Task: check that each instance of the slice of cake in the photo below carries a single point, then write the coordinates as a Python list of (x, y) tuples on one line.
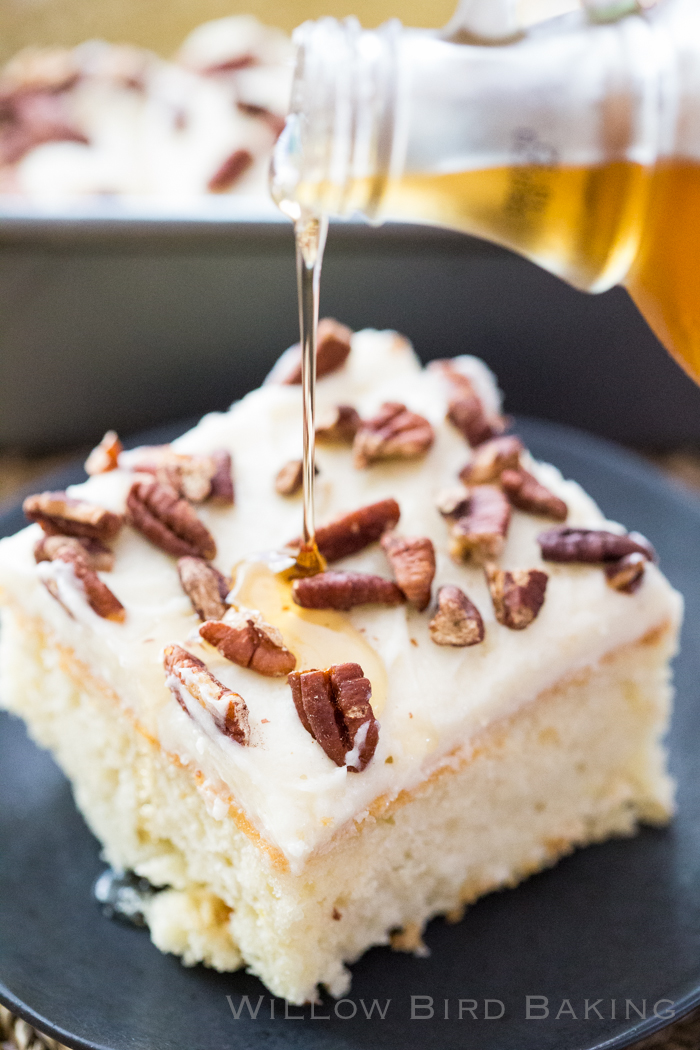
[(478, 683)]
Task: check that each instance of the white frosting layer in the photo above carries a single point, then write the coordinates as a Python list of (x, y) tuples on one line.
[(431, 700)]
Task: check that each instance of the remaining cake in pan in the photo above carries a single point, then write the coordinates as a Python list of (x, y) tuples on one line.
[(109, 120), (478, 684)]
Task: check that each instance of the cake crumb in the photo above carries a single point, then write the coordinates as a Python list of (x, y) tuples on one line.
[(409, 939), (388, 761), (337, 915), (414, 641)]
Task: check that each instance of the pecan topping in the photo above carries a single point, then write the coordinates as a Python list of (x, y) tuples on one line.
[(332, 350), (394, 433), (480, 532), (228, 65), (188, 679), (195, 477), (490, 459), (98, 556), (165, 519), (290, 478), (343, 590), (104, 456), (592, 545), (205, 586), (230, 171), (60, 514), (274, 122), (626, 575), (526, 493), (339, 425), (465, 409), (457, 621), (517, 596), (97, 594), (453, 502), (334, 707), (245, 639), (352, 532), (222, 479), (413, 562), (30, 116)]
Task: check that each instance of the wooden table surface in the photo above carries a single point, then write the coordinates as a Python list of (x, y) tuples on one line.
[(17, 472)]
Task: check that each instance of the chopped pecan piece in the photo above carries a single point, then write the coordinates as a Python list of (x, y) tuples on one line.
[(104, 456), (592, 546), (517, 595), (228, 65), (491, 458), (332, 350), (230, 171), (480, 533), (60, 514), (339, 425), (352, 532), (195, 477), (99, 557), (626, 575), (394, 433), (526, 493), (290, 478), (274, 122), (343, 590), (167, 520), (334, 707), (465, 409), (205, 586), (457, 621), (97, 594), (453, 502), (32, 116), (188, 679), (245, 639), (413, 562), (221, 490)]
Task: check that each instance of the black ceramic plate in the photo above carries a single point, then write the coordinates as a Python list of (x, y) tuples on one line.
[(615, 928)]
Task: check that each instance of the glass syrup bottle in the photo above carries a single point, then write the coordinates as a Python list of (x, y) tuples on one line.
[(576, 144)]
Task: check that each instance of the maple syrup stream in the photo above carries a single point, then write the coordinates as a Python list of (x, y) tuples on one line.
[(310, 236)]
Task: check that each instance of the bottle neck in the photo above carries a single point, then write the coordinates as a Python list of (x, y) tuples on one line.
[(340, 143), (376, 109)]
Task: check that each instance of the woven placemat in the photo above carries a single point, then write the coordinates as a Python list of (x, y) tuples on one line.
[(16, 1034)]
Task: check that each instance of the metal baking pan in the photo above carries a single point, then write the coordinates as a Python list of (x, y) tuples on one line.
[(126, 316)]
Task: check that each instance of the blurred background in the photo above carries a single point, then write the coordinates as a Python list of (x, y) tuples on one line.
[(163, 27), (136, 294)]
